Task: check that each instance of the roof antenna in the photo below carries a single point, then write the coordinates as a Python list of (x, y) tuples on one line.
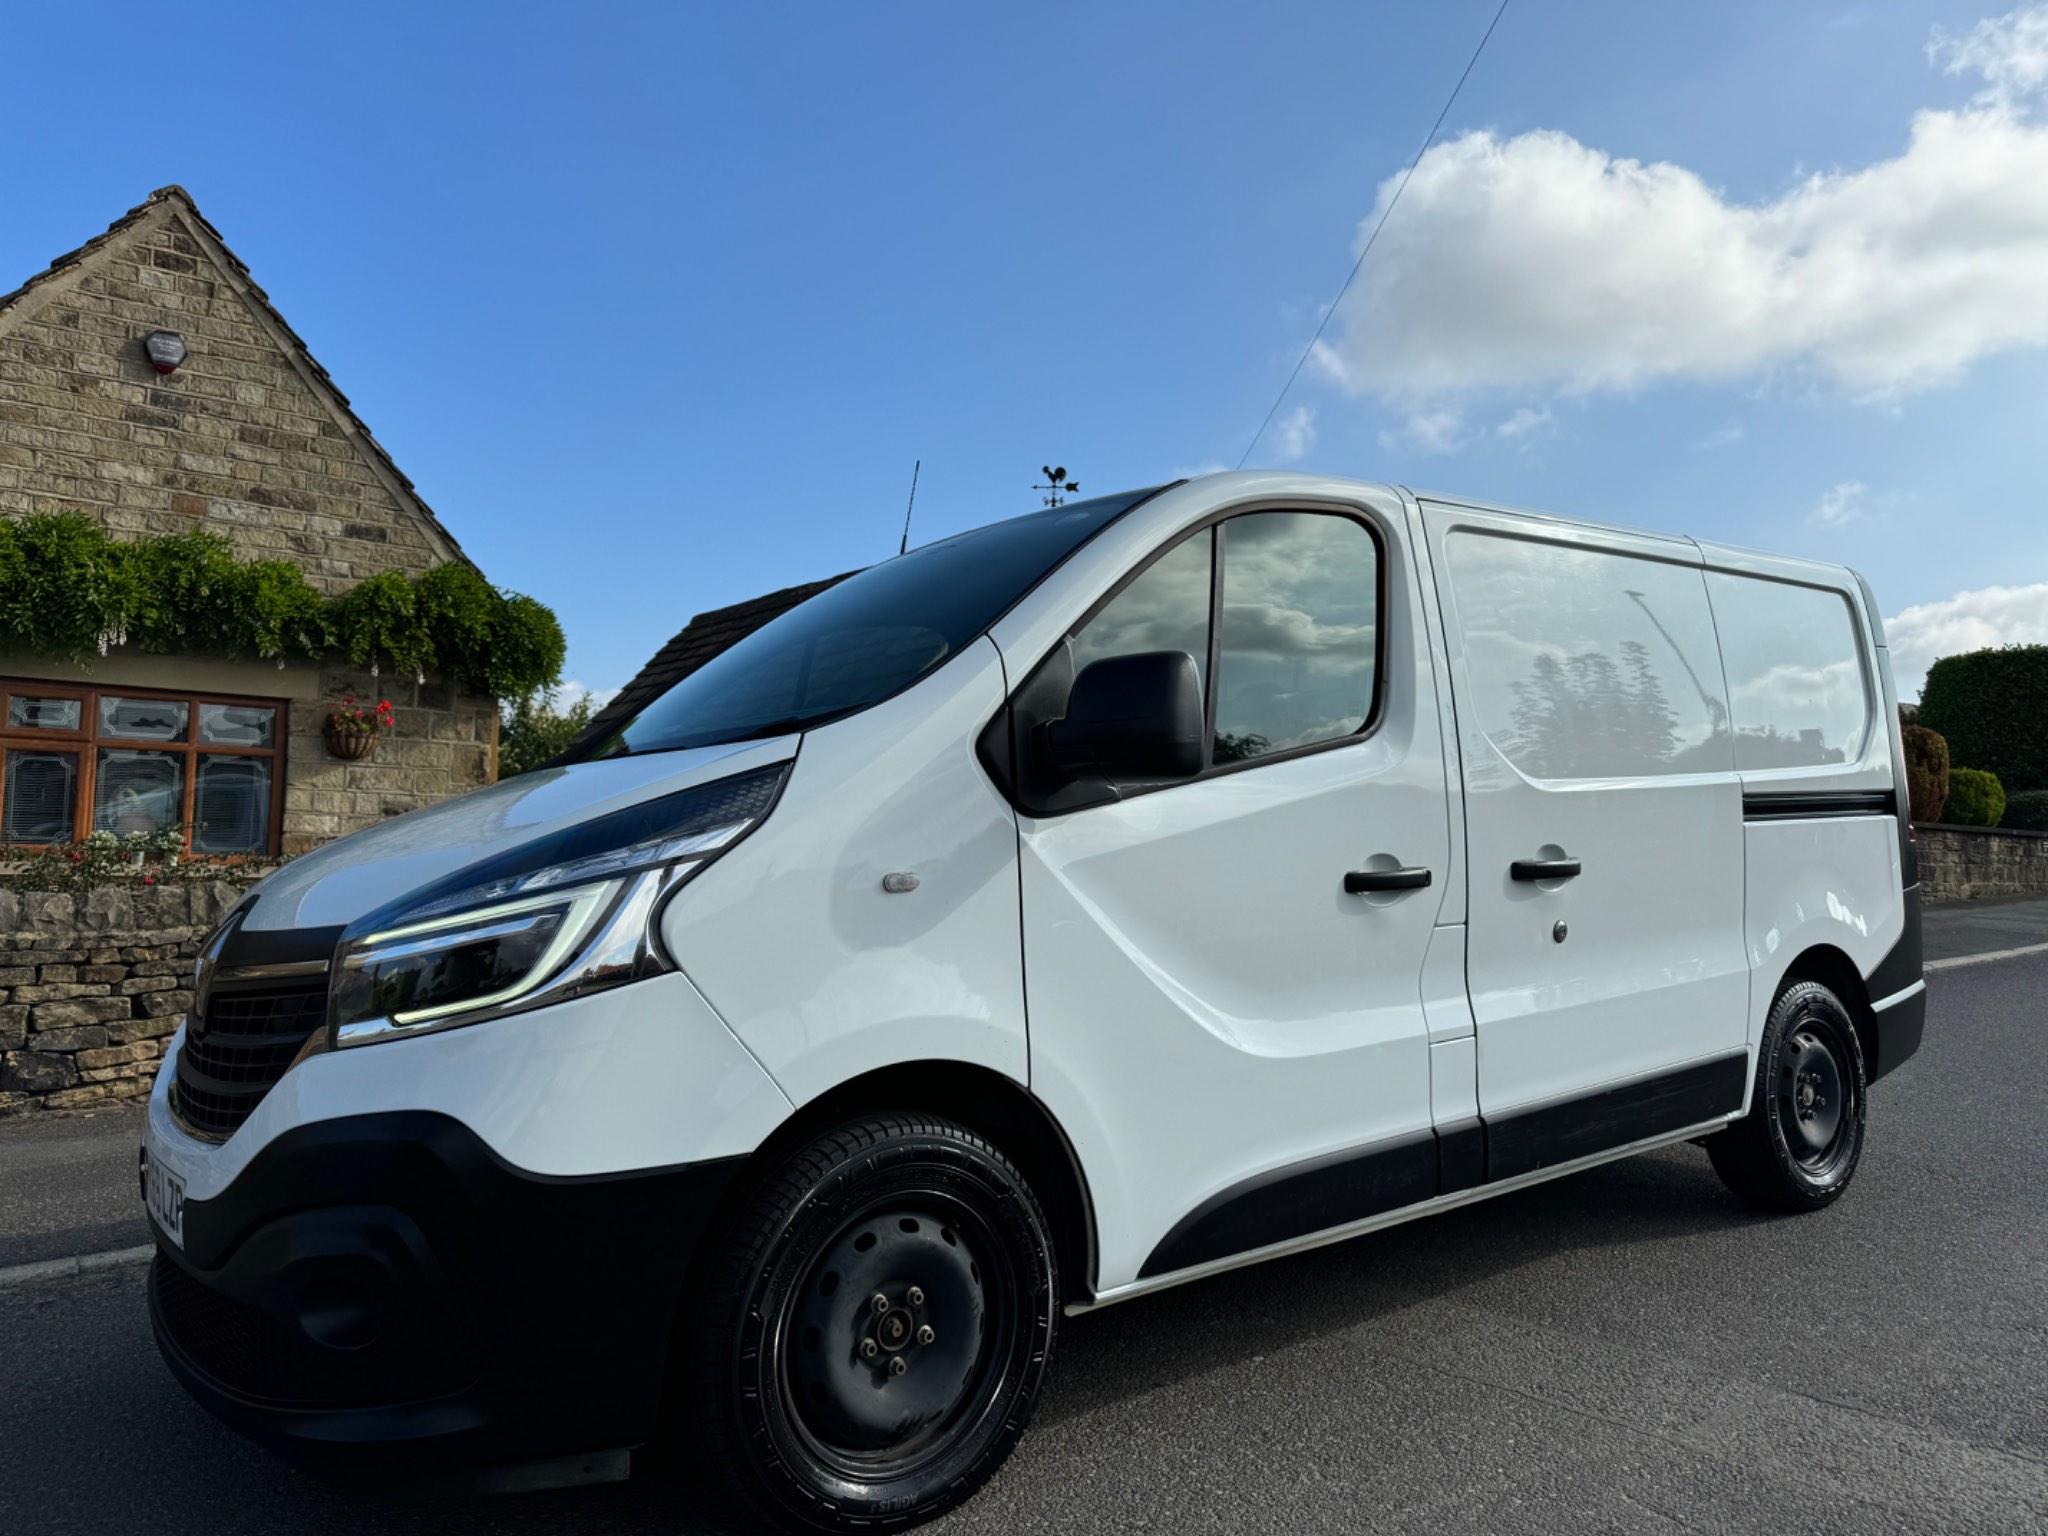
[(904, 546)]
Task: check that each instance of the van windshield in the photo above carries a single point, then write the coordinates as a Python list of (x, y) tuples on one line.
[(867, 638)]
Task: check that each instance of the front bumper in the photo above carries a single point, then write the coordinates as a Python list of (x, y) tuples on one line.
[(386, 1281)]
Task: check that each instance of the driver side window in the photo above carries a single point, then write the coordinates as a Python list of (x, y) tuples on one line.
[(1295, 658), (1165, 609)]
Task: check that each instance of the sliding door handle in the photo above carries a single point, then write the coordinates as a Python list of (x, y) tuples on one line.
[(1543, 869), (1363, 882)]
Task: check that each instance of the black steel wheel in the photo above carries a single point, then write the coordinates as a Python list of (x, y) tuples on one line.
[(1798, 1146), (876, 1329)]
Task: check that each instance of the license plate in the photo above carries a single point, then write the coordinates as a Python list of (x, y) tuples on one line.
[(164, 1193)]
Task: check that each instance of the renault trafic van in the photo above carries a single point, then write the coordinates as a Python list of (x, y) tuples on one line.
[(1070, 909)]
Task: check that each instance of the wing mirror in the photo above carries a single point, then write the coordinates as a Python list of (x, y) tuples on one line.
[(1131, 717)]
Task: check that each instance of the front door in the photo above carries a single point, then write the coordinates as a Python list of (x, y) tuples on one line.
[(1234, 1040), (1604, 834)]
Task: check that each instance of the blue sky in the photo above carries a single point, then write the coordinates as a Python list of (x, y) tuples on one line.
[(658, 304)]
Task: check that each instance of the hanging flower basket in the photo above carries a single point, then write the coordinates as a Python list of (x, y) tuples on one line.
[(353, 745), (352, 729)]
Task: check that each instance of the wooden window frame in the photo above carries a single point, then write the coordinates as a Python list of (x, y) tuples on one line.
[(87, 741)]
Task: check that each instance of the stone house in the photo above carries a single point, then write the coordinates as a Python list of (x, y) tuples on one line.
[(244, 436)]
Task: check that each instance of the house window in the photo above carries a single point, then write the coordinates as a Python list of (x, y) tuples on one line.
[(126, 760)]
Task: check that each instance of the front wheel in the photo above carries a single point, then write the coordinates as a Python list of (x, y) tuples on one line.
[(1798, 1146), (872, 1339)]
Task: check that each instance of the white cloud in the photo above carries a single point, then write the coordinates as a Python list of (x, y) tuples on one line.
[(1969, 621), (1841, 505), (1438, 429), (1295, 433), (1722, 437), (569, 693), (2009, 51), (1538, 261), (1526, 422)]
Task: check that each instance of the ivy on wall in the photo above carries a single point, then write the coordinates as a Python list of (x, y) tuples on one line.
[(68, 589)]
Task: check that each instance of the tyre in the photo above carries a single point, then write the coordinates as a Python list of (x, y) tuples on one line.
[(872, 1337), (1798, 1146)]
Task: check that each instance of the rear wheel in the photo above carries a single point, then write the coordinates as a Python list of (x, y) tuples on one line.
[(1799, 1145), (873, 1337)]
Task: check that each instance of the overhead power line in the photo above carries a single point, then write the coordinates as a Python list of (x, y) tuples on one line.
[(1366, 249)]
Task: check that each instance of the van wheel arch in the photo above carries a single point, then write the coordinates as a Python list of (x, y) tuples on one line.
[(1833, 969), (997, 1107)]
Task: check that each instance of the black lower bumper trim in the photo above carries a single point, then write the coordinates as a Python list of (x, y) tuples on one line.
[(1899, 1032), (386, 1282)]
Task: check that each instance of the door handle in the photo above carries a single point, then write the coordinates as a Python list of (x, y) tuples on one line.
[(1543, 869), (1363, 882)]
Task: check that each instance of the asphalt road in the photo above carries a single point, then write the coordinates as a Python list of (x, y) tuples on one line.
[(1626, 1350), (67, 1186)]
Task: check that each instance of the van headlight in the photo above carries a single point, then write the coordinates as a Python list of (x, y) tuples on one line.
[(567, 915)]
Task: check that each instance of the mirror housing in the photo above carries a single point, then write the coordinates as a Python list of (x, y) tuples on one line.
[(1131, 717)]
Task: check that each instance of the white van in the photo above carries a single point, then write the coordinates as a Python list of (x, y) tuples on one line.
[(1063, 911)]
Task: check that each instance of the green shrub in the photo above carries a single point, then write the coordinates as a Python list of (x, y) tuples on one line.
[(531, 732), (1975, 798), (2026, 810), (69, 589), (1992, 705), (1926, 772)]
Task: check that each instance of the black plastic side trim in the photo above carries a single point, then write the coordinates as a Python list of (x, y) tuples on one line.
[(1329, 1191), (1901, 965), (1548, 1134), (1806, 805), (1898, 1030), (1460, 1156), (1351, 1185)]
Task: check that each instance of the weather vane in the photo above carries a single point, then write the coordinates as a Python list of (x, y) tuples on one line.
[(1056, 484)]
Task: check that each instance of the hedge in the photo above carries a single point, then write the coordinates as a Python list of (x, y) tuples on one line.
[(1975, 798), (1926, 772), (69, 589), (1992, 705), (2026, 809)]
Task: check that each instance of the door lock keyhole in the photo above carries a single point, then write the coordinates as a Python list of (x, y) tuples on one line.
[(1558, 931)]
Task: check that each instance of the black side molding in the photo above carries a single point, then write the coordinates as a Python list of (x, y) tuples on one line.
[(1548, 1134), (1358, 1182), (1329, 1191), (1806, 805)]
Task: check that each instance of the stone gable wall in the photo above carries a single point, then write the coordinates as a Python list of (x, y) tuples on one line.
[(92, 986), (234, 442), (237, 443)]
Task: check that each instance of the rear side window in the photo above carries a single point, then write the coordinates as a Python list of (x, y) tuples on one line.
[(1589, 663), (1796, 685)]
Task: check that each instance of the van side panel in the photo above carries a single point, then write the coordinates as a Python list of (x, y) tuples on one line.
[(820, 971), (1832, 881), (1816, 738), (1237, 1048), (1593, 734)]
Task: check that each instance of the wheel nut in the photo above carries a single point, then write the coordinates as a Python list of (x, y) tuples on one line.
[(916, 1297), (880, 1304), (897, 1366), (925, 1334), (869, 1349)]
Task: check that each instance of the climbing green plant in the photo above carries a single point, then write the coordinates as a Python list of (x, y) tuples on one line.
[(68, 589)]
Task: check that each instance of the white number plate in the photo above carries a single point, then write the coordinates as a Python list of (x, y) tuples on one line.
[(164, 1193)]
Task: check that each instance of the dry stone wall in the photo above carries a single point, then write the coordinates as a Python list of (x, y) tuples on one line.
[(93, 986)]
